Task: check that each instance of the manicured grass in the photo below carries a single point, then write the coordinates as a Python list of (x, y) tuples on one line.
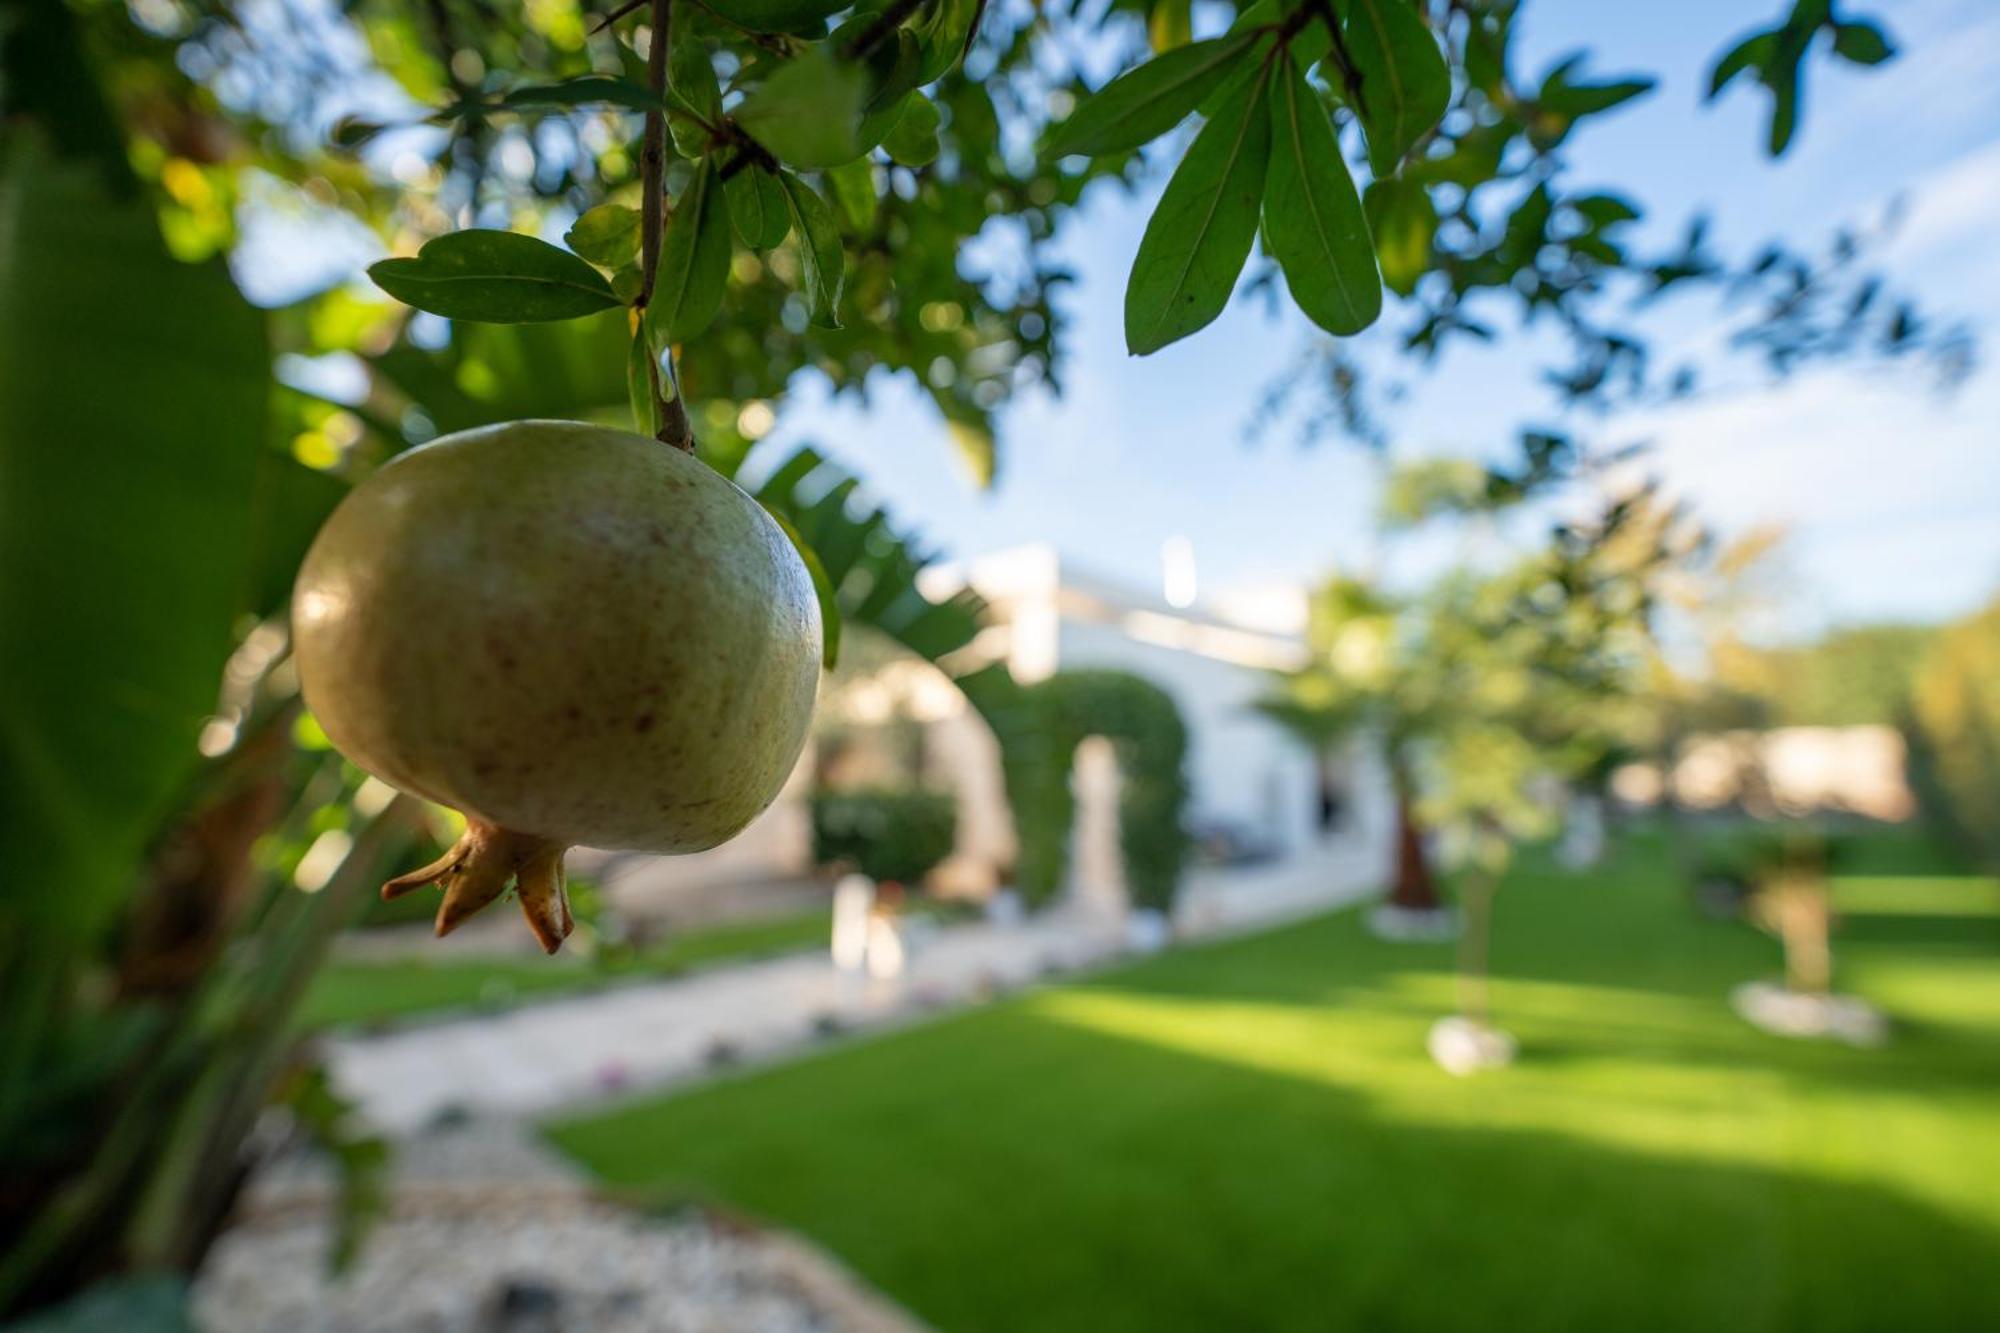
[(361, 993), (1250, 1136)]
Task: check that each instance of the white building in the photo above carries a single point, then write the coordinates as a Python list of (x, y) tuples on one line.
[(1257, 799)]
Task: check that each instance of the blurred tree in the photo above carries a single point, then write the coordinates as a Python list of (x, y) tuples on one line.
[(1954, 722)]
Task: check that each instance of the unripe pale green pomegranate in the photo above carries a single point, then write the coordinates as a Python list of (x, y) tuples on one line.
[(571, 634)]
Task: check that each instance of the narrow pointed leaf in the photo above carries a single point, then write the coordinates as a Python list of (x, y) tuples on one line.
[(943, 40), (1199, 236), (757, 207), (1142, 104), (1312, 214), (820, 254), (607, 234), (914, 139), (495, 277), (639, 385), (586, 91), (1751, 53), (808, 113), (692, 75), (1404, 82), (694, 262)]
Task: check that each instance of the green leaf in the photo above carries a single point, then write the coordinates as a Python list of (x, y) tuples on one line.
[(694, 261), (1753, 52), (944, 37), (607, 234), (585, 91), (1312, 215), (691, 75), (854, 190), (137, 390), (1142, 104), (829, 604), (1861, 42), (820, 254), (808, 114), (1486, 44), (1604, 210), (790, 16), (1170, 24), (639, 384), (1404, 82), (1199, 236), (914, 139), (1402, 219), (1573, 100), (495, 277), (757, 207), (1784, 84)]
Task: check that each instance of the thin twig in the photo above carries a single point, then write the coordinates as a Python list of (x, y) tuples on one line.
[(674, 426), (1350, 77), (610, 17)]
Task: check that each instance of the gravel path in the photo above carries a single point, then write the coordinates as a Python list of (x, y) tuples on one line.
[(547, 1055), (490, 1233)]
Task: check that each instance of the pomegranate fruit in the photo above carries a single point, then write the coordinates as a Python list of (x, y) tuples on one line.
[(568, 633)]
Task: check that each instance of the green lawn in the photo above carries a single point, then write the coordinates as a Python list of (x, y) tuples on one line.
[(357, 993), (1249, 1136)]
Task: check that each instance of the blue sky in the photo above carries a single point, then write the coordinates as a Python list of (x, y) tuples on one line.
[(1890, 493)]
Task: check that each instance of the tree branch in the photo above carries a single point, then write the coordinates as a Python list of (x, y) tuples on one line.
[(674, 426)]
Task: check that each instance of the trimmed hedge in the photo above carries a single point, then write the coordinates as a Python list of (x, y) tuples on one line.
[(1040, 727), (889, 835)]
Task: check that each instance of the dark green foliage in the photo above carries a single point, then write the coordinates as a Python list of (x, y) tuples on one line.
[(496, 277), (1401, 82), (1139, 106), (892, 836), (1955, 723), (1775, 58), (1199, 236), (694, 262), (1039, 727), (139, 487), (1312, 216)]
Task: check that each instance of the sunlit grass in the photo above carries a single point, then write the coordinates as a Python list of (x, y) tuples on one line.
[(1251, 1136)]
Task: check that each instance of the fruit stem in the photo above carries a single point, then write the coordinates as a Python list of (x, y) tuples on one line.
[(478, 869), (672, 412)]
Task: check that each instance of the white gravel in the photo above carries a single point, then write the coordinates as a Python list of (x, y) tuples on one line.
[(489, 1233)]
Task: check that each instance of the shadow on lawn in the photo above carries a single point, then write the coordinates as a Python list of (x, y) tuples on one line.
[(1005, 1171)]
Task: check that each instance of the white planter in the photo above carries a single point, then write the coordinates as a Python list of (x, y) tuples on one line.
[(1408, 925), (1462, 1047), (1789, 1013)]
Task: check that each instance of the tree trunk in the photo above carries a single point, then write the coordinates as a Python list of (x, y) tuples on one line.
[(1416, 887)]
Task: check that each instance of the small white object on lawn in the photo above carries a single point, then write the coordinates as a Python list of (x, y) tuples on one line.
[(1789, 1013), (1461, 1046)]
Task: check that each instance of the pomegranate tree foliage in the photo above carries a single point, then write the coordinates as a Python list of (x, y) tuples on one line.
[(876, 187)]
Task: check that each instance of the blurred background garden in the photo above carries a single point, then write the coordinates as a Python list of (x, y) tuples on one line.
[(1489, 820)]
